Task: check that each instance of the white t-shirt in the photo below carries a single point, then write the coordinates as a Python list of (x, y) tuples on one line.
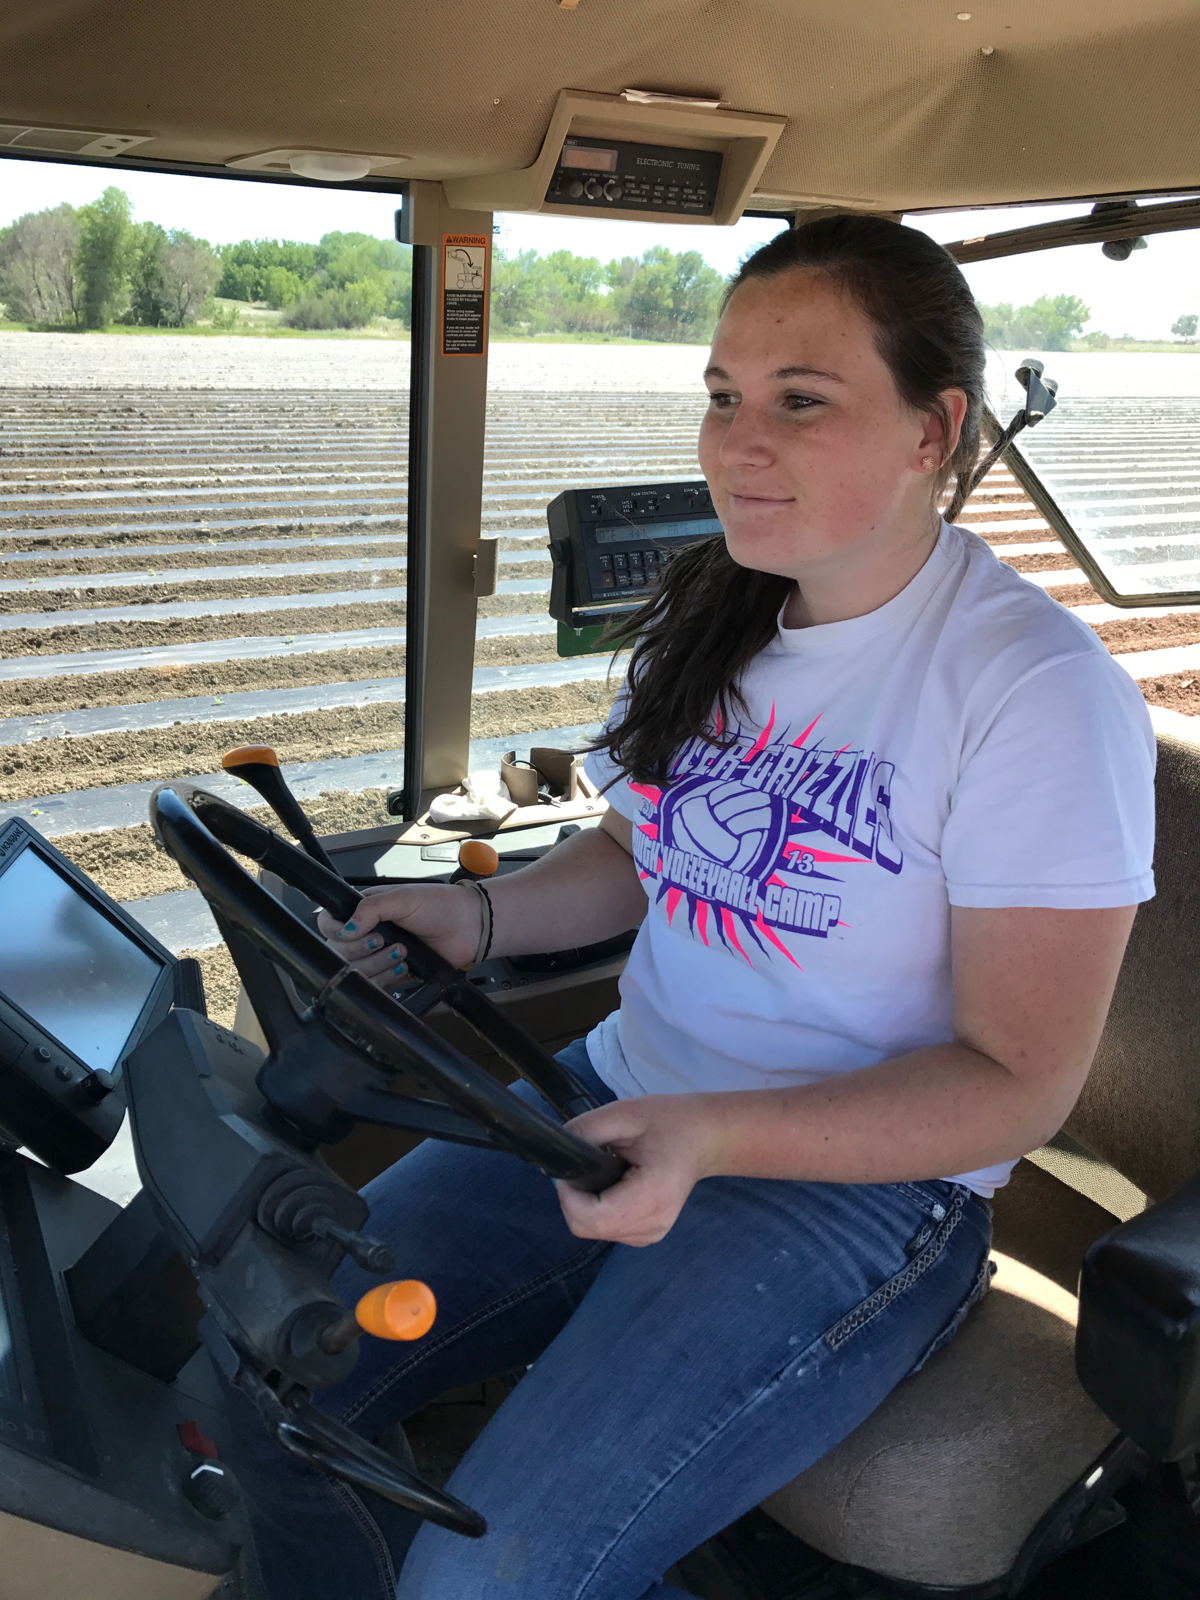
[(969, 743)]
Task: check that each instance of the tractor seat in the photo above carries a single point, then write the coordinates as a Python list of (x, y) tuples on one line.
[(975, 1469)]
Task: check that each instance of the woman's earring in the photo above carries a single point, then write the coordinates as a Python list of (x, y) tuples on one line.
[(926, 462)]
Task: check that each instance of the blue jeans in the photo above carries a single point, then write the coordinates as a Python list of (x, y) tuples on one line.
[(672, 1388)]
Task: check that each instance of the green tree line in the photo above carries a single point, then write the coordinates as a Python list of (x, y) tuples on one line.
[(92, 266)]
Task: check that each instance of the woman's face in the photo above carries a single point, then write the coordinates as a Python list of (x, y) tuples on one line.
[(813, 460)]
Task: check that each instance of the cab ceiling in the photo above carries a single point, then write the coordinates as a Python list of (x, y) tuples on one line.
[(891, 104)]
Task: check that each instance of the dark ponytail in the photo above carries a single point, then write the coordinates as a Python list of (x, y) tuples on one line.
[(710, 617)]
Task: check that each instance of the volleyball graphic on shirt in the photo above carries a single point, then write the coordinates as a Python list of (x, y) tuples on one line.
[(738, 827)]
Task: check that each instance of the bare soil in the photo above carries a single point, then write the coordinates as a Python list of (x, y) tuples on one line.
[(1052, 561), (191, 533), (104, 560), (1076, 594), (1178, 692), (221, 983), (129, 864), (1150, 633), (361, 575), (35, 697), (135, 634), (53, 766)]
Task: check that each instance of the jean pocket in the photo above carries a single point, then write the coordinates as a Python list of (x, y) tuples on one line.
[(938, 1219), (934, 1199), (980, 1286)]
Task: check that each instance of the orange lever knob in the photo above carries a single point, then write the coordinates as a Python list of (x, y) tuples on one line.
[(404, 1310), (478, 858), (246, 753)]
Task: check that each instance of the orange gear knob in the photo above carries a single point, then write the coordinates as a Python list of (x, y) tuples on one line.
[(246, 753), (477, 858), (404, 1310)]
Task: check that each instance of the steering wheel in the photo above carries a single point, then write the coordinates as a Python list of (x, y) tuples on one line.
[(387, 1036)]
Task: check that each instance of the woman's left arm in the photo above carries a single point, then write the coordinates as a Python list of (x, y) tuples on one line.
[(1031, 991)]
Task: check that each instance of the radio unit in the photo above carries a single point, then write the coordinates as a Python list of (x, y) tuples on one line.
[(609, 546), (608, 173)]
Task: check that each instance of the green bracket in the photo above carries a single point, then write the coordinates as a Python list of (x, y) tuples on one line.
[(582, 641)]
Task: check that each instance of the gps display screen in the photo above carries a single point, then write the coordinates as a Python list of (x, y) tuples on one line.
[(71, 969)]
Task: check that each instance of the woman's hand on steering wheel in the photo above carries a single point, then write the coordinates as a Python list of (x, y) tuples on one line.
[(449, 917)]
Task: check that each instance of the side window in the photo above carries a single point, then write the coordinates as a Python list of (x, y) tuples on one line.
[(203, 455), (1120, 332)]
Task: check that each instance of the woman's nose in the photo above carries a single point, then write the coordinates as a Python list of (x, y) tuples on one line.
[(747, 438)]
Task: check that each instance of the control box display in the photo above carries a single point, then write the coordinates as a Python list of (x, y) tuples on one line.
[(614, 174), (80, 981), (609, 546)]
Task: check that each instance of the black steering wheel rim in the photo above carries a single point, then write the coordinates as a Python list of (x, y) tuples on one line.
[(197, 829)]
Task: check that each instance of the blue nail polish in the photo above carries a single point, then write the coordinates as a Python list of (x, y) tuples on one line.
[(373, 944), (396, 952), (350, 928), (400, 969)]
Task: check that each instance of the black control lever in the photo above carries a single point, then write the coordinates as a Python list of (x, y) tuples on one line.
[(332, 1447), (258, 765)]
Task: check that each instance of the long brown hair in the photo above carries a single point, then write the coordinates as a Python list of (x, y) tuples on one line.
[(709, 617)]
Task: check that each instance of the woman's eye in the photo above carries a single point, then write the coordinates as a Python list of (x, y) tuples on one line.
[(800, 402), (721, 399)]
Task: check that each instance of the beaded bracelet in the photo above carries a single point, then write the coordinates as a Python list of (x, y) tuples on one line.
[(484, 946)]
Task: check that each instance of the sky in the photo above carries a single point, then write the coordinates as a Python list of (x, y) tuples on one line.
[(1141, 296)]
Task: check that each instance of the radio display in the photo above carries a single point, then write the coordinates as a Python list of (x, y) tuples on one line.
[(657, 530), (577, 155)]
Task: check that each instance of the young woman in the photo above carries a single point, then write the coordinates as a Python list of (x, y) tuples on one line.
[(883, 811)]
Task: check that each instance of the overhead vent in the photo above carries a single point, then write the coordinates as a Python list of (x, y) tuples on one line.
[(69, 141)]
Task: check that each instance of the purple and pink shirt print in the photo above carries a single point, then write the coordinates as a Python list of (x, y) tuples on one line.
[(749, 844)]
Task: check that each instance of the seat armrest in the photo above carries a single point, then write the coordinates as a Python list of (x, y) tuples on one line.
[(1137, 1345)]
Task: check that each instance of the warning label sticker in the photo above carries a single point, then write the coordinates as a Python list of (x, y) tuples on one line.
[(464, 293)]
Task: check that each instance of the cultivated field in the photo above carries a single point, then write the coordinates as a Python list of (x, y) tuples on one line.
[(203, 545)]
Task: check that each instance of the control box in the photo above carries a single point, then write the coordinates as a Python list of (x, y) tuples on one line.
[(609, 546)]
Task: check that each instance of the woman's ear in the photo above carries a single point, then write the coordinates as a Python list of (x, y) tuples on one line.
[(940, 433)]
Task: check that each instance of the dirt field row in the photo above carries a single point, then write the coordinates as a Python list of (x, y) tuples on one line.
[(53, 766), (139, 633), (363, 574), (36, 697)]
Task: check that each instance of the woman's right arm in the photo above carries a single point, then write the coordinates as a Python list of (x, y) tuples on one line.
[(583, 890)]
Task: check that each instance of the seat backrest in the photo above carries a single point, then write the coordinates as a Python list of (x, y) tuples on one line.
[(1140, 1108)]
